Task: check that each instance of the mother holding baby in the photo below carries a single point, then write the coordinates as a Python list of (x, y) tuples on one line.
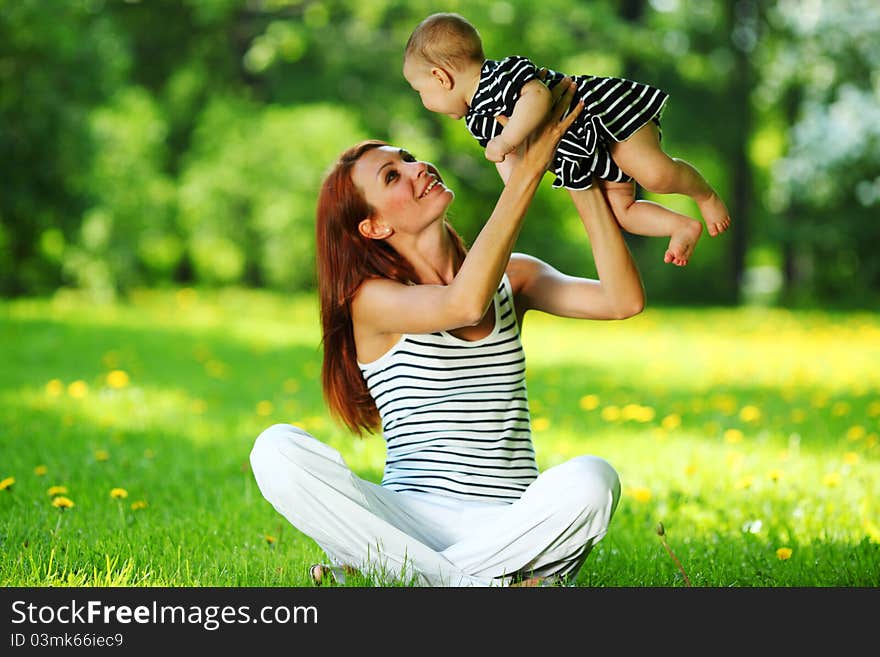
[(421, 338)]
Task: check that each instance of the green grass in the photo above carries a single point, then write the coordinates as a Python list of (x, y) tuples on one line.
[(742, 431)]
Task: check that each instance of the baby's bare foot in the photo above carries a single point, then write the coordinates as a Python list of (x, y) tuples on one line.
[(715, 214), (682, 243)]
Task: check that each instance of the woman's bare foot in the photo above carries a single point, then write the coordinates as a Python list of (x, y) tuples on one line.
[(530, 582), (319, 571), (714, 213), (682, 243)]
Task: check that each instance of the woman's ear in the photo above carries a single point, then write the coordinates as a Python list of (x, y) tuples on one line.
[(374, 230), (444, 77)]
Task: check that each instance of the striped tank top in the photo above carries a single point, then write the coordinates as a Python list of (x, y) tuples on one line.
[(455, 413)]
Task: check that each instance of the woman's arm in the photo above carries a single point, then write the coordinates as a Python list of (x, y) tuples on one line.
[(385, 306), (617, 294)]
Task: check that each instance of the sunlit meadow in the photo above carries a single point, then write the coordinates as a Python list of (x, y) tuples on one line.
[(750, 434)]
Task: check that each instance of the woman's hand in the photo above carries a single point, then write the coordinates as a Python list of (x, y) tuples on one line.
[(537, 151)]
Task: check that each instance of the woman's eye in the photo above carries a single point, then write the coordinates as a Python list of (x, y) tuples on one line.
[(390, 176)]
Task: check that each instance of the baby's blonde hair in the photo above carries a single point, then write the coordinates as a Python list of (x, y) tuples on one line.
[(445, 39)]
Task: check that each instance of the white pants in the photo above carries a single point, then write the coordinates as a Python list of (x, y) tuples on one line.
[(435, 540)]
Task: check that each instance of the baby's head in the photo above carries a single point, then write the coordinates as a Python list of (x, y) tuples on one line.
[(442, 56)]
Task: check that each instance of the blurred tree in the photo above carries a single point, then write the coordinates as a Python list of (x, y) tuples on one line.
[(825, 80), (57, 61), (247, 195), (127, 236), (184, 140)]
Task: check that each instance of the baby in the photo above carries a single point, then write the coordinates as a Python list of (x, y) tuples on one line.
[(616, 138)]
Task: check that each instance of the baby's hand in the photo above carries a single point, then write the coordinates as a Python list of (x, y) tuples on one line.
[(497, 149)]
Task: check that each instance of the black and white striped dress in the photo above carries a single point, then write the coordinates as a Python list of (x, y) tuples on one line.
[(614, 108), (455, 413)]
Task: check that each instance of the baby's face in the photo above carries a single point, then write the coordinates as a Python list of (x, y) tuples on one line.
[(434, 88)]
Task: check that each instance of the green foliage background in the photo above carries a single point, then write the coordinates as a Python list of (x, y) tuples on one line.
[(182, 141)]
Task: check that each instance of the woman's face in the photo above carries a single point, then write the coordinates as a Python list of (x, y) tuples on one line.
[(405, 194)]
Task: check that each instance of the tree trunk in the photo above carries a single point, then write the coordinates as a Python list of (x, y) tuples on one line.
[(790, 271), (741, 15)]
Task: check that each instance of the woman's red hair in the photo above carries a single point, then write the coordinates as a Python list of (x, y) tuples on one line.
[(345, 259)]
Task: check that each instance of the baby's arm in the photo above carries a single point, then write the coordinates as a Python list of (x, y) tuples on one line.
[(531, 108)]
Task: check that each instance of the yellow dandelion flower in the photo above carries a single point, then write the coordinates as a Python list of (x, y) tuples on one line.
[(840, 409), (637, 412), (775, 474), (118, 493), (54, 387), (856, 432), (40, 470), (138, 505), (832, 479), (62, 502), (871, 440), (269, 539), (874, 408), (671, 422), (540, 424), (645, 414), (851, 458), (724, 403), (57, 490), (783, 553), (216, 369), (265, 407), (611, 413), (872, 529), (750, 414), (640, 493), (7, 483), (745, 482), (589, 402), (78, 389), (102, 455), (118, 379), (819, 400), (291, 386), (690, 469), (798, 415), (733, 436)]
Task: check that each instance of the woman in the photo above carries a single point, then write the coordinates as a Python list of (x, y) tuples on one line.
[(423, 337)]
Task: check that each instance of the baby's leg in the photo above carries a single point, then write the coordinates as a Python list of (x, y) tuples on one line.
[(652, 220), (641, 157)]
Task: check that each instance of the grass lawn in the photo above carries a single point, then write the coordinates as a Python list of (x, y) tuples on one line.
[(751, 434)]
